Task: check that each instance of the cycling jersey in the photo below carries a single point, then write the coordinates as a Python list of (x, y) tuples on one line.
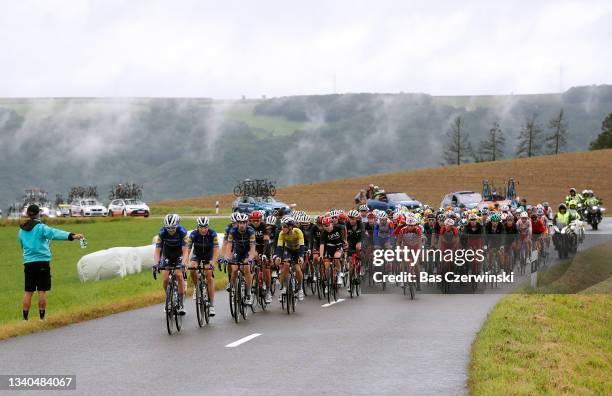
[(448, 238), (382, 234), (291, 241), (260, 231), (241, 243), (332, 240), (409, 237), (510, 234), (315, 238), (538, 227), (524, 228), (172, 244), (474, 236), (368, 233), (354, 235), (203, 245), (494, 236)]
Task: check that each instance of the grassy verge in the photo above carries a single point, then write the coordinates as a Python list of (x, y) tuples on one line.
[(160, 210), (70, 300), (539, 343)]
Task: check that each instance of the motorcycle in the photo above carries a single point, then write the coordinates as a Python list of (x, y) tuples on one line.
[(593, 214), (565, 238)]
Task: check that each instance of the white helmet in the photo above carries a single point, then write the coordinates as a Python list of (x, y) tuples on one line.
[(233, 217), (412, 220), (382, 214), (202, 221), (172, 220), (271, 220), (449, 222), (306, 218), (241, 217), (353, 213), (288, 220), (524, 215)]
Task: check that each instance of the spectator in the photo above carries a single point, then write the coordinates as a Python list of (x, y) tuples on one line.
[(360, 198), (34, 238), (370, 192)]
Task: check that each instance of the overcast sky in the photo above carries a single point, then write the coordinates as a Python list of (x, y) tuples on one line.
[(226, 49)]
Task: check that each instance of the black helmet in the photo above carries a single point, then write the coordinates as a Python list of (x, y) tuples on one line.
[(572, 190), (562, 206)]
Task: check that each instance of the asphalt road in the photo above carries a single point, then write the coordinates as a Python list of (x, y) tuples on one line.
[(375, 344)]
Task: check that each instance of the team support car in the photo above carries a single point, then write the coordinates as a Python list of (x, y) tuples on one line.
[(393, 201), (87, 207), (249, 204), (470, 199), (128, 207)]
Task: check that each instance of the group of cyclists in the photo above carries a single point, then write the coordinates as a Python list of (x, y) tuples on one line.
[(345, 240)]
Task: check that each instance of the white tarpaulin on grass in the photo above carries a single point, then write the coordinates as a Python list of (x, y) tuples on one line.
[(117, 261)]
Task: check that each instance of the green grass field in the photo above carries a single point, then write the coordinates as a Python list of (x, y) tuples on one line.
[(262, 125), (68, 295), (538, 343)]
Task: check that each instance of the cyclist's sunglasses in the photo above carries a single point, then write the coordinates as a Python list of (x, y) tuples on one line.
[(203, 227), (171, 228)]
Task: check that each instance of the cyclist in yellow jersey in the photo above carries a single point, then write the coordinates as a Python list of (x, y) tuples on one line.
[(290, 248)]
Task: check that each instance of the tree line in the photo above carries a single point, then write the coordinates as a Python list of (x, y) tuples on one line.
[(532, 140)]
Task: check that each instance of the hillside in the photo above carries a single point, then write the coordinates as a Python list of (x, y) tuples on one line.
[(545, 178), (170, 145)]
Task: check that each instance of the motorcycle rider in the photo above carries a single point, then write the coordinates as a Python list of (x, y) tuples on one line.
[(572, 209), (563, 215), (573, 196)]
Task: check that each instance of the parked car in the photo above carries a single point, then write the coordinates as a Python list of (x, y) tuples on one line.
[(63, 210), (249, 204), (393, 201), (128, 207), (470, 199), (87, 207)]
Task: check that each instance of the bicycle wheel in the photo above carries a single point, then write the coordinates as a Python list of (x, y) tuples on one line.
[(205, 302), (330, 282), (243, 306), (199, 303), (318, 282), (350, 281), (178, 319), (254, 289), (236, 302), (411, 288), (289, 295), (293, 297), (231, 300), (169, 316), (311, 281)]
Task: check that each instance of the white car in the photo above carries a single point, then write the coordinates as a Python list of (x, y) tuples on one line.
[(128, 207), (87, 207)]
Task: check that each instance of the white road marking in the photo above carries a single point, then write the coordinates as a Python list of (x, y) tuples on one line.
[(242, 340), (332, 303)]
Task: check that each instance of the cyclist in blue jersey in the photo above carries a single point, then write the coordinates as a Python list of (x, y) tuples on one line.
[(204, 248), (171, 249), (241, 244)]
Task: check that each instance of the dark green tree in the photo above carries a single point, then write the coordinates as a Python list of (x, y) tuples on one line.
[(530, 140), (604, 139), (458, 148), (558, 137), (492, 148)]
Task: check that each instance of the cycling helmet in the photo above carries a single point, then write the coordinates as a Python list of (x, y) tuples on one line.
[(449, 222), (371, 215), (363, 208), (473, 217), (233, 217), (325, 221), (485, 211), (524, 215), (242, 217), (342, 217), (431, 216), (172, 220), (539, 206), (505, 208), (256, 215), (572, 203), (202, 221), (546, 204), (540, 212), (353, 213), (382, 215), (441, 217), (290, 221), (585, 192), (494, 217), (572, 190), (400, 218), (463, 222), (306, 218), (412, 220), (562, 206), (271, 220), (503, 217)]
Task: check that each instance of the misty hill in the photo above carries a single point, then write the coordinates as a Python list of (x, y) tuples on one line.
[(187, 147)]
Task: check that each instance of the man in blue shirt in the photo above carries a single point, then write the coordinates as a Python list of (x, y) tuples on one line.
[(34, 238)]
